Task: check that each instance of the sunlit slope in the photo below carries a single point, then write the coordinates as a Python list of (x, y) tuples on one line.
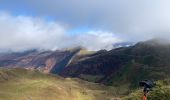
[(21, 84)]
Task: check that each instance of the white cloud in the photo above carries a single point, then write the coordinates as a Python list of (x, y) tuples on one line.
[(23, 32), (96, 40), (137, 19), (134, 19)]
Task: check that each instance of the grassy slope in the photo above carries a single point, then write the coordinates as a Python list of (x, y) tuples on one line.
[(20, 84)]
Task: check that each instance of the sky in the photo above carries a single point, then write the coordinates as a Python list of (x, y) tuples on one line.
[(93, 24)]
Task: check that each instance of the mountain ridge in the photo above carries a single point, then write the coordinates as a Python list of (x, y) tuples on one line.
[(104, 68)]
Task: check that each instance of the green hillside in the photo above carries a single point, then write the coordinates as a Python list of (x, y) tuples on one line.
[(21, 84), (124, 67)]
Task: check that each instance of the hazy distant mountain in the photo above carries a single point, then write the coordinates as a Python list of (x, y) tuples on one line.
[(123, 44)]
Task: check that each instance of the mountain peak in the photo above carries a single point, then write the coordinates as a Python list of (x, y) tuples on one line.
[(157, 41)]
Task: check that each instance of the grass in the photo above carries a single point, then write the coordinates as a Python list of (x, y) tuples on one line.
[(85, 52), (91, 78), (160, 92), (21, 84)]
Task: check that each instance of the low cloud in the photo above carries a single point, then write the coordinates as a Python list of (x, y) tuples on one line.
[(19, 33), (135, 20), (96, 40)]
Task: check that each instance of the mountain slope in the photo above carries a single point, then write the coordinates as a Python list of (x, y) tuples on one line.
[(21, 84), (59, 67), (46, 61), (145, 60)]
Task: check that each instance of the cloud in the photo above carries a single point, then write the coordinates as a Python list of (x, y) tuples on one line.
[(134, 19), (96, 40), (19, 33)]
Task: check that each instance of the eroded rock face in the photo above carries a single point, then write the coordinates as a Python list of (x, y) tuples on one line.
[(45, 61)]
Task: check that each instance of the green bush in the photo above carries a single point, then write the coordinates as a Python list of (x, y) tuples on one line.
[(160, 92)]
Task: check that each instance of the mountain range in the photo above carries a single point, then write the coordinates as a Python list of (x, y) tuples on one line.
[(122, 67)]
